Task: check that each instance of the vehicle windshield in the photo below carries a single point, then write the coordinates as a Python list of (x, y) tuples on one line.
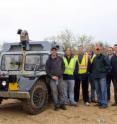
[(12, 62), (35, 62)]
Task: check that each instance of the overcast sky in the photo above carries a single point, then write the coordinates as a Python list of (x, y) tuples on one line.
[(45, 18)]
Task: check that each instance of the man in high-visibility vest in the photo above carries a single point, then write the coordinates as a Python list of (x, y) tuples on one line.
[(92, 55), (68, 77), (82, 76)]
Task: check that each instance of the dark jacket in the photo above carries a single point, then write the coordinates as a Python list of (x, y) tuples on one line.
[(110, 72), (55, 67), (100, 66), (114, 65)]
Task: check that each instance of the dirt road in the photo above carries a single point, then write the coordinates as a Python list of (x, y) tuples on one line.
[(11, 113)]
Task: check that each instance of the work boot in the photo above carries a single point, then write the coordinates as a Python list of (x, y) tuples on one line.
[(63, 107), (114, 104), (56, 107), (103, 106)]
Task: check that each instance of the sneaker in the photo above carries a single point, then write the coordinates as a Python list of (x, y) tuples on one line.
[(98, 104), (73, 103), (63, 107), (67, 102), (114, 104), (87, 103)]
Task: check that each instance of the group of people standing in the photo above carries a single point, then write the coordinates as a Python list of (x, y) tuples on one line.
[(84, 67)]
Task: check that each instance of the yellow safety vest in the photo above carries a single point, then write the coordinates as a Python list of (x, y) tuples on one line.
[(83, 65), (76, 57), (69, 68), (94, 55)]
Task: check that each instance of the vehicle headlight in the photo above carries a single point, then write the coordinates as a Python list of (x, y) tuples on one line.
[(4, 83)]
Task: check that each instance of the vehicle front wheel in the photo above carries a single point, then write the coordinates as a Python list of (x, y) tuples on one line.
[(38, 99)]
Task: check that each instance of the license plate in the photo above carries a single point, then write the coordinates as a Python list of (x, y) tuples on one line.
[(13, 86)]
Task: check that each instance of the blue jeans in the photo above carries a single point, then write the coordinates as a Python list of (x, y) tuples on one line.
[(69, 90), (101, 89), (57, 90), (93, 94)]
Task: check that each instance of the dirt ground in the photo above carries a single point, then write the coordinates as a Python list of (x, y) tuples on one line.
[(11, 113)]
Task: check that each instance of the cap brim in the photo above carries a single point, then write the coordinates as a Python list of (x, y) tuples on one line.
[(54, 48)]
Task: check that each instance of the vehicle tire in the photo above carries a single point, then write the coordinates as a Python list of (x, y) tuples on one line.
[(38, 99)]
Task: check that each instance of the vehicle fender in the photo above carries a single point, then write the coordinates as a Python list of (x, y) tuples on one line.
[(26, 83)]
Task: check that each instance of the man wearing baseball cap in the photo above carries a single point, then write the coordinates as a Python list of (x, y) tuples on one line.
[(55, 68), (100, 67)]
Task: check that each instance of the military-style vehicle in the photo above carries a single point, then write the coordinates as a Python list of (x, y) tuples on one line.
[(23, 75)]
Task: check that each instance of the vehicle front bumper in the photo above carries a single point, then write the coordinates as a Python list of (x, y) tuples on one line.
[(14, 94)]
